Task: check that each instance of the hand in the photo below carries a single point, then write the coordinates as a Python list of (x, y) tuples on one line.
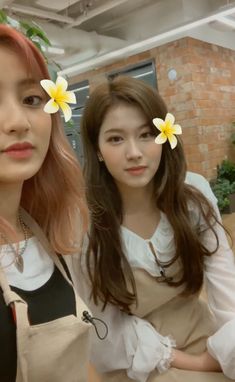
[(201, 362), (92, 374)]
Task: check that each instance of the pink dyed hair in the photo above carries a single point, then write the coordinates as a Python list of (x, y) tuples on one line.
[(55, 196)]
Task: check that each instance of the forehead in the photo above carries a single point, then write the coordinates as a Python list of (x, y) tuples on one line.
[(14, 67), (123, 116)]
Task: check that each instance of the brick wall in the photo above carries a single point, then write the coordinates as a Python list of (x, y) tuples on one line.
[(202, 97)]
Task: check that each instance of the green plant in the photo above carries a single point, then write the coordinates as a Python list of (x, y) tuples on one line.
[(226, 170), (30, 29), (233, 134), (221, 189), (224, 184), (35, 33)]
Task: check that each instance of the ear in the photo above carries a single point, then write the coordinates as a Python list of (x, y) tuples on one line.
[(100, 157)]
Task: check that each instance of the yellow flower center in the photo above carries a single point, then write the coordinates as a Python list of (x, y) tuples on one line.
[(58, 94), (167, 128)]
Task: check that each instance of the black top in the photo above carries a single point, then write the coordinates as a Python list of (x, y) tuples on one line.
[(55, 299)]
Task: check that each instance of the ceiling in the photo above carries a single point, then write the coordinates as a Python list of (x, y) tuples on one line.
[(87, 34)]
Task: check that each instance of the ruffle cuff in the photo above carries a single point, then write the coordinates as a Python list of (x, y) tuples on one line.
[(151, 351)]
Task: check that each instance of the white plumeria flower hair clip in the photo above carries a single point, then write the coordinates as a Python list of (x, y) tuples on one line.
[(168, 130), (60, 97)]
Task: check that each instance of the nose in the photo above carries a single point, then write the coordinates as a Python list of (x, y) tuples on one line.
[(15, 118), (133, 150)]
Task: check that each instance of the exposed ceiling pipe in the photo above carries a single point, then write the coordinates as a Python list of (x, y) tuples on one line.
[(39, 13), (78, 45), (96, 11), (143, 45), (58, 5)]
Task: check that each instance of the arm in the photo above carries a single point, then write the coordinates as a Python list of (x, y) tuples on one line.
[(220, 286), (132, 344), (202, 362)]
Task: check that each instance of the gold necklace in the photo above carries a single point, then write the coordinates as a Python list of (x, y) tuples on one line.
[(19, 261)]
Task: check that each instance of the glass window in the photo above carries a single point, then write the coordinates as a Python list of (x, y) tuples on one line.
[(72, 128), (144, 71)]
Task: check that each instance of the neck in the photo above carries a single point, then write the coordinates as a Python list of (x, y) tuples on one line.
[(138, 201), (10, 196)]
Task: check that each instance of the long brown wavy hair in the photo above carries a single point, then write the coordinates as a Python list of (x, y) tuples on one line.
[(108, 268)]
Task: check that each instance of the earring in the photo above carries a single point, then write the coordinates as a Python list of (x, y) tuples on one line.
[(100, 157)]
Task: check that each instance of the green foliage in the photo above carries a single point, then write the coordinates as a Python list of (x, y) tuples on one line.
[(233, 134), (226, 171), (224, 184), (233, 138), (34, 32), (221, 189), (30, 29), (3, 17)]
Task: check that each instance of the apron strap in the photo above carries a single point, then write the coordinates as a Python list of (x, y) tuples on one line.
[(8, 295), (22, 324), (20, 316)]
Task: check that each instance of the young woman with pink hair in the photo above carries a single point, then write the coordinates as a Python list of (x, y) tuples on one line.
[(43, 335)]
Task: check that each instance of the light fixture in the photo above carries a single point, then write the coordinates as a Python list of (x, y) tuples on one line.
[(172, 74)]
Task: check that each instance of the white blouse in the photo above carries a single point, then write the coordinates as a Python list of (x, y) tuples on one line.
[(38, 266), (132, 343)]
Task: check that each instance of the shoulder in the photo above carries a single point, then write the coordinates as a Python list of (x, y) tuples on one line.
[(198, 181)]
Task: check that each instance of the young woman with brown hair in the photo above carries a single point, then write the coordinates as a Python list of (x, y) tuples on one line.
[(155, 235)]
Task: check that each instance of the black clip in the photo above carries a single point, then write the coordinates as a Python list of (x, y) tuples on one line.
[(163, 276), (86, 317)]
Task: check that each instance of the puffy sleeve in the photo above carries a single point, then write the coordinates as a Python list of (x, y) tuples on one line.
[(132, 344), (220, 286)]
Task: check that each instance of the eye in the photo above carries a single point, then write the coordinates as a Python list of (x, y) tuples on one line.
[(32, 100), (115, 139), (147, 134)]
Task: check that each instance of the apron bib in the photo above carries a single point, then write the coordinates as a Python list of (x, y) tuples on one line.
[(57, 351), (187, 319)]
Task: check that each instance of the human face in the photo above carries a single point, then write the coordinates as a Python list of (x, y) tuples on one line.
[(25, 129), (126, 144)]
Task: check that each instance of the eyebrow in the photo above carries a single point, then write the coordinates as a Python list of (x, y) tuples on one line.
[(120, 130), (27, 82)]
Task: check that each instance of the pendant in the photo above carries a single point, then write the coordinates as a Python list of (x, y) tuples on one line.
[(19, 263)]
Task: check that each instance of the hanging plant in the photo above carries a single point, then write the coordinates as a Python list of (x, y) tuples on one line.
[(30, 29)]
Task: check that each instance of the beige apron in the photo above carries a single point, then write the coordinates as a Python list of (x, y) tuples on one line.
[(187, 319), (55, 351)]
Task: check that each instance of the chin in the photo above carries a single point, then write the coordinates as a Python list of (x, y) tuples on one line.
[(137, 184), (19, 177)]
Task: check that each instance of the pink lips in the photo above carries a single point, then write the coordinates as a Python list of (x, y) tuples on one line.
[(19, 150), (138, 170)]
